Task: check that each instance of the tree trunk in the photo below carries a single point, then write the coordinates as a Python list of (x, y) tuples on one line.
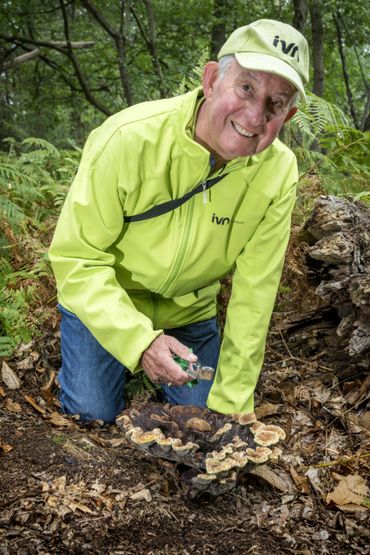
[(317, 40), (151, 42), (344, 69), (119, 38), (300, 15), (221, 10)]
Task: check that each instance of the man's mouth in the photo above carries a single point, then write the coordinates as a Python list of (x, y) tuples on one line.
[(242, 131)]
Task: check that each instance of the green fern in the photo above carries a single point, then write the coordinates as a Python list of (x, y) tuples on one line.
[(327, 146), (34, 179), (41, 144), (194, 78), (6, 346)]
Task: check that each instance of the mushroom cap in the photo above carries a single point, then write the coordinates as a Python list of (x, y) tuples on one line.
[(198, 425), (266, 437), (259, 455)]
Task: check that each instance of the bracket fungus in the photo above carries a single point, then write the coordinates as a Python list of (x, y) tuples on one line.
[(214, 449)]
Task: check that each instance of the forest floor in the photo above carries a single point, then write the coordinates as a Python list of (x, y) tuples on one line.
[(67, 488)]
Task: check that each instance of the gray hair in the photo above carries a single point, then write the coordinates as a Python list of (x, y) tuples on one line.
[(224, 65)]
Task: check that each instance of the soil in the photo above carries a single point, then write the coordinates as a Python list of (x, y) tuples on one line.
[(69, 489)]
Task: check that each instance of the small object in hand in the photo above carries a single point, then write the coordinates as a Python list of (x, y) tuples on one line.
[(196, 370)]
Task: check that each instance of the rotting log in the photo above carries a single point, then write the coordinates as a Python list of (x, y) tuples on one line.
[(338, 265)]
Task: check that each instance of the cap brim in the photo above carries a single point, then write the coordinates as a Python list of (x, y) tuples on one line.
[(271, 64)]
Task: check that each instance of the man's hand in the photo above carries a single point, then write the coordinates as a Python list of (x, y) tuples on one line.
[(157, 361)]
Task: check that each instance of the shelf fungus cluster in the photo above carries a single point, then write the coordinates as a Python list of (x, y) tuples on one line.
[(214, 449)]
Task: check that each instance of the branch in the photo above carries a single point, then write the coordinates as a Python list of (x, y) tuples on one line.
[(20, 59), (61, 46), (81, 78), (89, 6), (355, 49), (120, 42)]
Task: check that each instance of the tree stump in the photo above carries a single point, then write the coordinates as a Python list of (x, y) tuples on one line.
[(338, 264)]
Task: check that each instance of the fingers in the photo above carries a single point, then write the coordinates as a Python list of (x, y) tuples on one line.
[(180, 349), (157, 361)]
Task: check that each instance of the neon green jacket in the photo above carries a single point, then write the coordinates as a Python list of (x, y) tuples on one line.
[(129, 282)]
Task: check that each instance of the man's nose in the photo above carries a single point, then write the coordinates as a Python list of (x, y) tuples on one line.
[(258, 114)]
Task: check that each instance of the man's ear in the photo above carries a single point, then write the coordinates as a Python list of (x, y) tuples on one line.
[(210, 74), (291, 113)]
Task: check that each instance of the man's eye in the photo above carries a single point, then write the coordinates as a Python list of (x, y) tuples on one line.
[(277, 106), (246, 88)]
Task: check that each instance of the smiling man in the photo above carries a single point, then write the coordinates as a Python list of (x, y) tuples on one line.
[(170, 196)]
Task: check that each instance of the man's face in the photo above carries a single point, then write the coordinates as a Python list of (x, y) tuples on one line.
[(244, 110)]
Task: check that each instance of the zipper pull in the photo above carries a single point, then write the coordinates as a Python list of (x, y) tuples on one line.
[(204, 185)]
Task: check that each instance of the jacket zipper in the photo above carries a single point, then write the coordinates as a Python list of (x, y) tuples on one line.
[(183, 247), (180, 258)]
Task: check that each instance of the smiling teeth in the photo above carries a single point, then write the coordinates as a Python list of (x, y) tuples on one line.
[(242, 131)]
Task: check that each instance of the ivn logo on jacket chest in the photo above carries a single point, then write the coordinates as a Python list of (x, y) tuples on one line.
[(220, 220)]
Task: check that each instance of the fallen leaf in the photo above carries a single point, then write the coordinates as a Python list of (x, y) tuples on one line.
[(142, 495), (60, 421), (12, 406), (33, 403), (364, 420), (2, 392), (282, 483), (351, 489), (81, 507), (9, 377), (267, 409), (6, 447), (320, 535), (300, 481), (26, 364), (313, 475), (50, 381)]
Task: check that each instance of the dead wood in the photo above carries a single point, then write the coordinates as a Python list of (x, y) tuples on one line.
[(338, 264)]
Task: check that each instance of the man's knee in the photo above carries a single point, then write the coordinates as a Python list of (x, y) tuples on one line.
[(90, 407)]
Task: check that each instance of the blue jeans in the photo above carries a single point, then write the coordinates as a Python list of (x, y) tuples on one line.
[(92, 381)]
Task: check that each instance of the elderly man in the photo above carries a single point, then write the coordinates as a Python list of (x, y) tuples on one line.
[(169, 197)]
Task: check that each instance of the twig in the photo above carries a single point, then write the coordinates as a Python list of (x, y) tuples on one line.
[(286, 346), (341, 460)]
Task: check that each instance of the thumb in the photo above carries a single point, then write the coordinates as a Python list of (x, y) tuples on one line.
[(182, 350)]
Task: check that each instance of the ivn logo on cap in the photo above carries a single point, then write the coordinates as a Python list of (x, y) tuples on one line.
[(286, 49)]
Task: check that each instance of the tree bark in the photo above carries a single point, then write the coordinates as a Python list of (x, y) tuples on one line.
[(344, 69), (337, 237), (221, 10), (317, 40), (300, 14)]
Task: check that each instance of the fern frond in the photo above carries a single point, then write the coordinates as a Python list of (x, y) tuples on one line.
[(42, 145), (6, 346)]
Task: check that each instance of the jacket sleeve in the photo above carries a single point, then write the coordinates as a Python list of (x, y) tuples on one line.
[(90, 222), (255, 283)]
